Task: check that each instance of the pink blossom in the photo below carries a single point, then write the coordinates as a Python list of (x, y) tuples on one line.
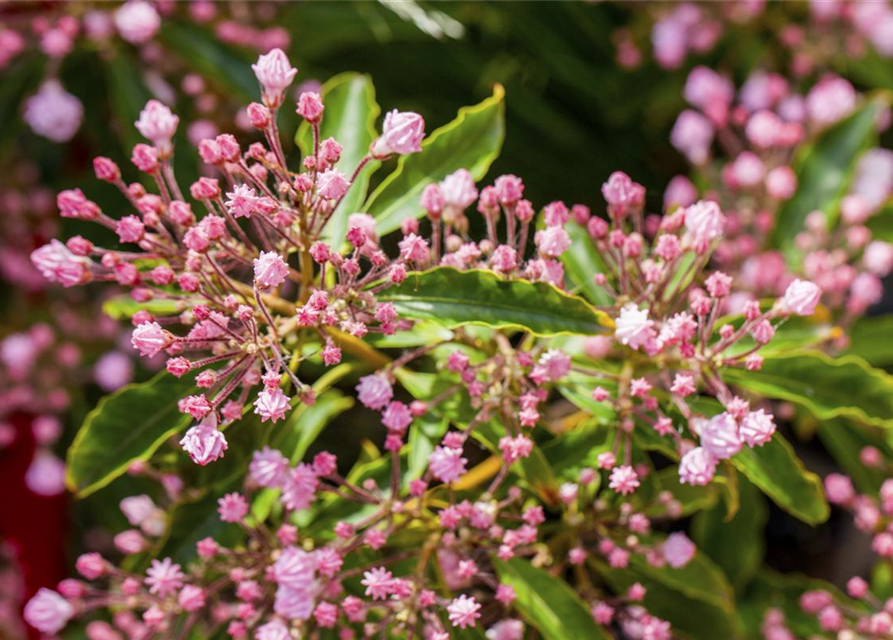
[(53, 112), (150, 338), (137, 21), (274, 73), (447, 464), (704, 221), (402, 133), (506, 630), (781, 183), (378, 582), (692, 135), (374, 391), (332, 184), (300, 487), (624, 480), (310, 107), (270, 270), (830, 100), (458, 189), (839, 488), (878, 258), (464, 611), (268, 468), (232, 507), (801, 297), (757, 428), (204, 443), (697, 467), (719, 436), (271, 405), (48, 612), (158, 125), (164, 577), (678, 550), (633, 328), (58, 264), (552, 241)]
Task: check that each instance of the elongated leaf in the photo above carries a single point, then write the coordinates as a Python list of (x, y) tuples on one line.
[(472, 141), (824, 173), (715, 535), (127, 426), (200, 50), (455, 298), (581, 262), (778, 472), (870, 340), (696, 599), (305, 424), (844, 440), (828, 387), (194, 521), (129, 96), (548, 603), (123, 307), (350, 115)]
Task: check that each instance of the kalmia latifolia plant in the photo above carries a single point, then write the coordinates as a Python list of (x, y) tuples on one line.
[(557, 388)]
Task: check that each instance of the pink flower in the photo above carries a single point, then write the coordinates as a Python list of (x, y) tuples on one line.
[(53, 112), (402, 133), (624, 480), (137, 21), (697, 467), (332, 184), (464, 611), (378, 582), (447, 464), (232, 507), (274, 73), (878, 258), (268, 468), (621, 193), (294, 603), (414, 249), (374, 391), (506, 630), (310, 107), (839, 488), (831, 99), (458, 189), (164, 577), (300, 488), (130, 229), (158, 125), (633, 328), (271, 405), (704, 221), (692, 135), (781, 183), (396, 417), (48, 612), (552, 241), (57, 263), (204, 443), (191, 598), (275, 630), (678, 550), (151, 339), (719, 436), (757, 428), (270, 270), (90, 565), (294, 568), (801, 297)]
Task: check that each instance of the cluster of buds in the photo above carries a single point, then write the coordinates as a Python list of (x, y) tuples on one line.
[(224, 273), (759, 130)]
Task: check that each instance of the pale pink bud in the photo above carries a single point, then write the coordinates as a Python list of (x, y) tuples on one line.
[(402, 133), (274, 73)]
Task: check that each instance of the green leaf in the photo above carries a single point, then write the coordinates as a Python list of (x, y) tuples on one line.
[(125, 427), (123, 307), (547, 602), (695, 599), (305, 423), (828, 387), (870, 340), (203, 52), (194, 521), (128, 97), (778, 472), (472, 141), (581, 262), (455, 298), (716, 535), (844, 440), (824, 173), (351, 112)]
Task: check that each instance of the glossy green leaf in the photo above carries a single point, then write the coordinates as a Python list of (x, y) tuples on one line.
[(828, 387), (824, 172), (778, 472), (306, 422), (844, 440), (455, 298), (125, 427), (200, 50), (350, 115), (715, 535), (548, 603), (870, 339), (695, 599), (581, 263), (194, 521), (472, 141), (123, 307)]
